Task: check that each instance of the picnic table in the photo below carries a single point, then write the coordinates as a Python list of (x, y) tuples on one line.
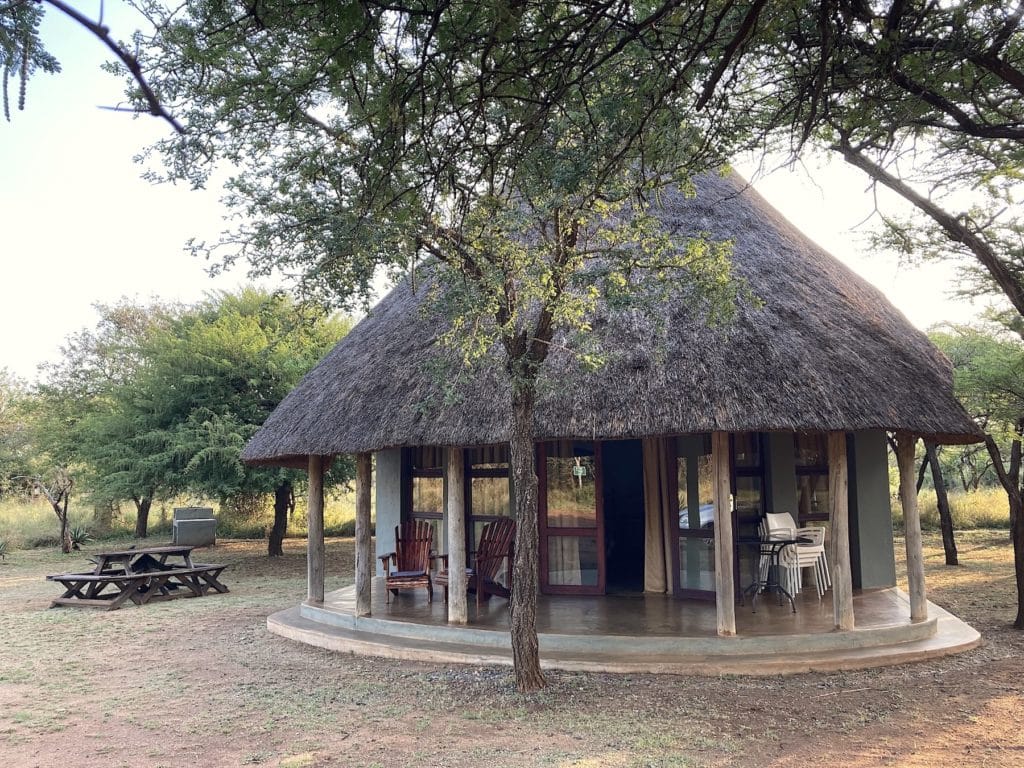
[(142, 560), (141, 575)]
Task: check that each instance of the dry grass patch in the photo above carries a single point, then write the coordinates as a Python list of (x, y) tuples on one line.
[(202, 682)]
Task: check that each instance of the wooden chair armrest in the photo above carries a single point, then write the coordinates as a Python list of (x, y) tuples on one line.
[(443, 559)]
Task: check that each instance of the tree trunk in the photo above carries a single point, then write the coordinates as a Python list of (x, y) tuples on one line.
[(1017, 533), (103, 517), (142, 516), (942, 500), (523, 605), (61, 508), (1017, 527), (1010, 480), (282, 503), (921, 471)]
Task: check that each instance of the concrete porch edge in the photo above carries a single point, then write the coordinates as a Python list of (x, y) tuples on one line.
[(338, 630)]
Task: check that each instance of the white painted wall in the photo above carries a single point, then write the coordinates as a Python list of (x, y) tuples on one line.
[(389, 500)]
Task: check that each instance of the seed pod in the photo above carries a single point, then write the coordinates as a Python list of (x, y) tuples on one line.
[(24, 73)]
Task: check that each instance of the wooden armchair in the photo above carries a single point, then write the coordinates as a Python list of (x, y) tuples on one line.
[(496, 544), (408, 567)]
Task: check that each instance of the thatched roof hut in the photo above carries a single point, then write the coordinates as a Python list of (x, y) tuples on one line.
[(824, 351)]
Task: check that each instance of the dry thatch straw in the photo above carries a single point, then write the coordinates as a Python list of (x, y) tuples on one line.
[(825, 351)]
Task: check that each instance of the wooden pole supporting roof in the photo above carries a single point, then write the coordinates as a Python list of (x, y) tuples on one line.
[(905, 443), (364, 553), (838, 490), (455, 477), (725, 586), (315, 532)]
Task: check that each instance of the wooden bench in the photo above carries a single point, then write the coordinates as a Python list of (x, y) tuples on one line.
[(112, 588), (89, 589)]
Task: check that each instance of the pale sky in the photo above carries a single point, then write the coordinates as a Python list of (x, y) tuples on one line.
[(78, 225)]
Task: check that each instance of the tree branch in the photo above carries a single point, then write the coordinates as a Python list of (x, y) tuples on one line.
[(955, 230), (742, 35), (131, 62), (1011, 488)]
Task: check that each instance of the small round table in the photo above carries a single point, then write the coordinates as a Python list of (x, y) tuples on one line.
[(771, 548)]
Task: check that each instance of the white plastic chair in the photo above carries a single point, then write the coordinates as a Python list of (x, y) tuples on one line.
[(794, 559), (786, 559)]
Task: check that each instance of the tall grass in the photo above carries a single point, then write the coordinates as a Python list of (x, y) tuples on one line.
[(985, 508), (27, 523)]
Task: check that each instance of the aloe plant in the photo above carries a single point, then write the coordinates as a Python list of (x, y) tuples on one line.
[(79, 536)]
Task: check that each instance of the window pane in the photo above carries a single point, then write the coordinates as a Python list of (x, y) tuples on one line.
[(747, 450), (697, 564), (490, 496), (572, 561), (427, 458), (427, 495), (696, 492), (810, 450), (812, 493), (571, 486), (489, 456), (748, 496)]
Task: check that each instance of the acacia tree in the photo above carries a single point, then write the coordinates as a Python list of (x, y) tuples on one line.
[(15, 436), (517, 145), (210, 378), (927, 99), (84, 420), (989, 375)]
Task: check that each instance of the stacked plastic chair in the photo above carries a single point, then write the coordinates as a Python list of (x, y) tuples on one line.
[(793, 559)]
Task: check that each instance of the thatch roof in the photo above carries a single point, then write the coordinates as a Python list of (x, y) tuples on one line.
[(825, 351)]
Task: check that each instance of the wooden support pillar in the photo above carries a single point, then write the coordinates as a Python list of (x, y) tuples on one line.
[(725, 585), (364, 553), (905, 443), (838, 494), (315, 528), (455, 474)]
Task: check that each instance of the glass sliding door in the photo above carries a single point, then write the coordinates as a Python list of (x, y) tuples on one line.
[(695, 490), (571, 519), (748, 484)]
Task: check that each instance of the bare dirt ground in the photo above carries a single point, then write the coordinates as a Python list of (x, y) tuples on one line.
[(202, 683)]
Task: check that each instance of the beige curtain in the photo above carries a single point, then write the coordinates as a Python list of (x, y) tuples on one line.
[(564, 560), (658, 513)]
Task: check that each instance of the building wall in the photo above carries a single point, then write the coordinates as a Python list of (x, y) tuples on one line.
[(871, 541), (389, 500)]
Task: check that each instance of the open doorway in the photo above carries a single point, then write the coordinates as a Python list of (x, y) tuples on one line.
[(622, 465)]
